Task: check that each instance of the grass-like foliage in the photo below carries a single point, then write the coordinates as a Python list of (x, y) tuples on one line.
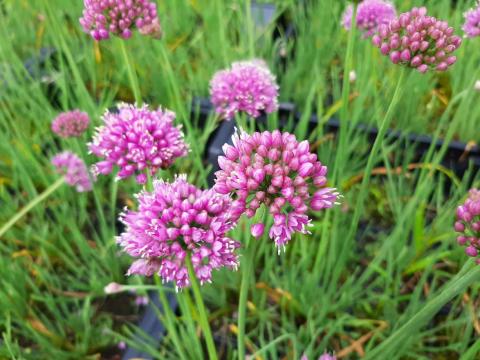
[(379, 276)]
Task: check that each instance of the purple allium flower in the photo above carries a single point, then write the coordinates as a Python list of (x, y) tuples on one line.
[(119, 17), (370, 15), (418, 41), (122, 345), (71, 124), (274, 169), (247, 86), (472, 22), (468, 224), (178, 220), (73, 169), (137, 140)]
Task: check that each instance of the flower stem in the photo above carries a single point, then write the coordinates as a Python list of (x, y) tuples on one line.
[(131, 74), (31, 205), (455, 286), (242, 301), (169, 319), (203, 319), (250, 29), (344, 120), (373, 153)]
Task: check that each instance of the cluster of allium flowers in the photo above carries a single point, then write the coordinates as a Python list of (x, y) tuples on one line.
[(468, 224), (174, 221), (419, 41), (247, 86), (73, 169), (370, 15), (472, 22), (274, 169), (71, 124), (137, 140), (104, 17)]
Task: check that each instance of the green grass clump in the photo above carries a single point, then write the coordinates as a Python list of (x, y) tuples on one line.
[(339, 289)]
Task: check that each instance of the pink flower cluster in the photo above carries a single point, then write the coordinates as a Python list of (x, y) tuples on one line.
[(471, 27), (71, 124), (247, 86), (73, 169), (274, 169), (104, 17), (370, 15), (137, 140), (419, 41), (178, 220), (468, 224)]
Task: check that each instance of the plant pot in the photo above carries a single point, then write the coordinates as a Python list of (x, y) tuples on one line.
[(458, 157)]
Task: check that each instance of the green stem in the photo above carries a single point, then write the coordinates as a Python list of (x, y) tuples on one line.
[(272, 344), (242, 301), (131, 74), (170, 320), (149, 181), (202, 311), (113, 200), (344, 120), (31, 205), (251, 28), (362, 193), (455, 286), (221, 30)]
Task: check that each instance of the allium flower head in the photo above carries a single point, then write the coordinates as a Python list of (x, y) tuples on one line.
[(174, 221), (274, 169), (71, 124), (471, 27), (468, 224), (104, 17), (370, 15), (73, 169), (419, 41), (247, 86), (137, 140)]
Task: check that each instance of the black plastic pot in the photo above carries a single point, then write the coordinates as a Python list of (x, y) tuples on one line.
[(150, 324), (458, 157)]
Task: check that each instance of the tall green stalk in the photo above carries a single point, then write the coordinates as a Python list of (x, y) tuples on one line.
[(202, 311), (170, 320), (362, 193), (247, 266), (344, 120), (132, 76), (250, 28), (31, 205)]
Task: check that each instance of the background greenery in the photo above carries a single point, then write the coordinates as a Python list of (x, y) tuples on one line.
[(330, 290)]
